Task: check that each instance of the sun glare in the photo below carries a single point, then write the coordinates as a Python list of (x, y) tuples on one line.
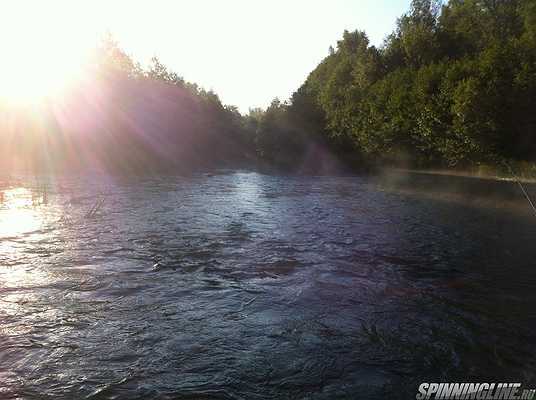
[(16, 213), (42, 52), (33, 74)]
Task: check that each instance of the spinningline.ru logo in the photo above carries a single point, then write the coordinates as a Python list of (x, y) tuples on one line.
[(484, 391)]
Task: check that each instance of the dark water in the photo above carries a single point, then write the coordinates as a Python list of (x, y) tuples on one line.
[(247, 286)]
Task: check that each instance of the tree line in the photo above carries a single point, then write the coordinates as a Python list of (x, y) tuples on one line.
[(453, 86), (122, 118)]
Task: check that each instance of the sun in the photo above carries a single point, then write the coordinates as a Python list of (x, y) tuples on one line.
[(30, 74), (42, 49)]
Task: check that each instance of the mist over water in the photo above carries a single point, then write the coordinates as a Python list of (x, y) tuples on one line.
[(239, 285)]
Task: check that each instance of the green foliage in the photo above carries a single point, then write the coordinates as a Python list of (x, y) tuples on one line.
[(276, 139), (454, 84), (126, 119)]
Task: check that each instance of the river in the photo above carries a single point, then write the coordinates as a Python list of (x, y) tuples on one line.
[(239, 285)]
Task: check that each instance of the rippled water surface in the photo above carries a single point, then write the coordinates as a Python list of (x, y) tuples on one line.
[(246, 286)]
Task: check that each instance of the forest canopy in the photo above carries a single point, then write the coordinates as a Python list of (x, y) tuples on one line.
[(453, 85), (120, 117)]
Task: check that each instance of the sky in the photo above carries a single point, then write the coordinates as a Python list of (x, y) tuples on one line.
[(247, 51)]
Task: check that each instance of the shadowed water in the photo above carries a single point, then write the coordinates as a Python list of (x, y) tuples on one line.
[(247, 286)]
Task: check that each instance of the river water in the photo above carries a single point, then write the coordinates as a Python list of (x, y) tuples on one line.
[(239, 285)]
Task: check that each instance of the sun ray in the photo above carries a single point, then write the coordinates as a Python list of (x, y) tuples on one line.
[(42, 53)]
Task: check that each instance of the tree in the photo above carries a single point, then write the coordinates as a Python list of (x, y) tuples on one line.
[(454, 84)]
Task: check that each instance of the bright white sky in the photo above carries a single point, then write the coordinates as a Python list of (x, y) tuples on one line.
[(247, 51)]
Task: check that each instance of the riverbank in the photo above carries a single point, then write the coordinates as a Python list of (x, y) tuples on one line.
[(488, 191)]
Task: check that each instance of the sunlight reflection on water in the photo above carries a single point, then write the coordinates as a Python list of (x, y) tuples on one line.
[(17, 214), (255, 286)]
